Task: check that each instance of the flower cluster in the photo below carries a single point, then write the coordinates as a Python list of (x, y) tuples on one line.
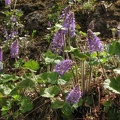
[(68, 28), (12, 34), (14, 49), (74, 95), (94, 42), (7, 2), (63, 66), (69, 24), (58, 42)]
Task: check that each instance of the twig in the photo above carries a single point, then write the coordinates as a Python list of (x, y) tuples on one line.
[(36, 108), (83, 77)]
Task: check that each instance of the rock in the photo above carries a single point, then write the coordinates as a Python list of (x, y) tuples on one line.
[(36, 21), (30, 7), (106, 15)]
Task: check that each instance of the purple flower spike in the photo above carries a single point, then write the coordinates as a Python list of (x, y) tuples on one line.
[(63, 66), (65, 11), (69, 24), (95, 44), (1, 54), (14, 49), (74, 95), (7, 2), (58, 42)]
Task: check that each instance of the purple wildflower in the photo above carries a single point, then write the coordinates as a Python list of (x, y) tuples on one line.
[(1, 55), (14, 49), (63, 66), (7, 2), (69, 24), (58, 42), (94, 42), (13, 34), (74, 95)]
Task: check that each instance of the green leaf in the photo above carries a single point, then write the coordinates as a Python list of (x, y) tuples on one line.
[(19, 63), (50, 77), (58, 26), (113, 84), (65, 78), (50, 57), (6, 78), (26, 83), (57, 104), (26, 105), (6, 89), (50, 91), (76, 105), (5, 109), (3, 101), (107, 105), (70, 49), (79, 55), (83, 33), (114, 48), (16, 97), (67, 110), (31, 65)]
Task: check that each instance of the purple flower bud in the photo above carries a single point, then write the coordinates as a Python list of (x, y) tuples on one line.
[(1, 54), (74, 95), (13, 18), (7, 2), (14, 49), (63, 66), (69, 24), (118, 30), (58, 42), (91, 25), (94, 42), (5, 32), (49, 24)]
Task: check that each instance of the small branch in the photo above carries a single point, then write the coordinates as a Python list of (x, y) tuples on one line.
[(36, 108)]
